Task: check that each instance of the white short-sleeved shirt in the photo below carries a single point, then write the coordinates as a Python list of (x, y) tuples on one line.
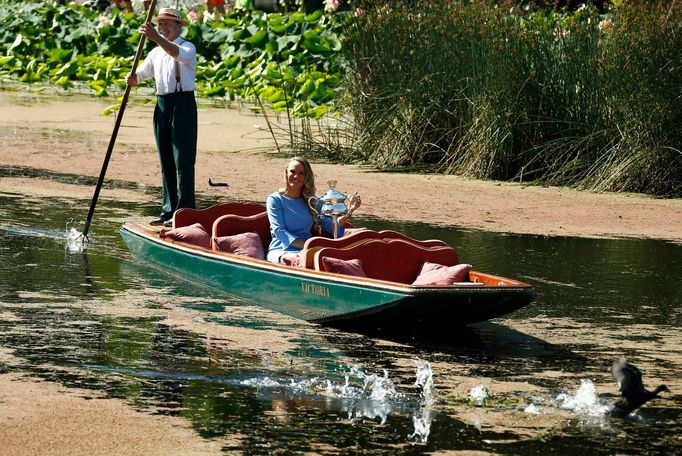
[(160, 65)]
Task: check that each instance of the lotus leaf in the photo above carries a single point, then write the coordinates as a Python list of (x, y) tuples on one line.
[(257, 38), (67, 70), (64, 82), (108, 111)]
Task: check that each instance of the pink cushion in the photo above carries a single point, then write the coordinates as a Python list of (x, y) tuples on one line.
[(245, 244), (192, 234), (437, 274), (291, 259), (349, 267)]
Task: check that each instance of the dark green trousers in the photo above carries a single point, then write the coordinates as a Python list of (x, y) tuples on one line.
[(175, 130)]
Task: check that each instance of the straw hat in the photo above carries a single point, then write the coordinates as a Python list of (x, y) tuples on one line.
[(170, 14)]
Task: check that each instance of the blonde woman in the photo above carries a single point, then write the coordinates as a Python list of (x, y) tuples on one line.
[(291, 220)]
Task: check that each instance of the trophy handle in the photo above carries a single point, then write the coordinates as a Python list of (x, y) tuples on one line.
[(312, 204)]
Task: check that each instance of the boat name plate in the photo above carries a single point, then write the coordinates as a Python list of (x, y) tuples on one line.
[(315, 289)]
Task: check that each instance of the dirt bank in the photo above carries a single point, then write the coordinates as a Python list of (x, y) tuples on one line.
[(45, 418), (68, 134)]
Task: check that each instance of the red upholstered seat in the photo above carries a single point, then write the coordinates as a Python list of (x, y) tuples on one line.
[(231, 224), (395, 260), (186, 217), (313, 244)]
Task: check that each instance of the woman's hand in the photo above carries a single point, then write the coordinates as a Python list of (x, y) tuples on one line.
[(354, 202)]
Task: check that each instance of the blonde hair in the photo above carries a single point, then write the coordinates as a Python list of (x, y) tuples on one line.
[(308, 182)]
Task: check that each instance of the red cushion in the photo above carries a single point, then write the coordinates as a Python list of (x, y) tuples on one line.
[(192, 234), (349, 267), (245, 244), (437, 274)]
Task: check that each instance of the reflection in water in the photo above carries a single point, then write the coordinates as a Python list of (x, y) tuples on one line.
[(95, 319), (422, 419)]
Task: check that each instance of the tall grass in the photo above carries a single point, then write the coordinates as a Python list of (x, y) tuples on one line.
[(495, 91)]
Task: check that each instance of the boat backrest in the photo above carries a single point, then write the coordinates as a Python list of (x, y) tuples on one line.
[(390, 234), (395, 260), (231, 224), (186, 216), (313, 244)]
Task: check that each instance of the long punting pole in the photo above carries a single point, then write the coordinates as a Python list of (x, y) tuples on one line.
[(117, 125)]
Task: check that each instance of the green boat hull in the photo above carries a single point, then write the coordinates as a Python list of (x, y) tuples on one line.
[(322, 297)]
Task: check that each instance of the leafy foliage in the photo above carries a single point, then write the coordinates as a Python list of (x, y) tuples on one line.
[(482, 88), (289, 61)]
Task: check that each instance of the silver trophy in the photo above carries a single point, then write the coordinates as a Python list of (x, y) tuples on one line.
[(333, 204)]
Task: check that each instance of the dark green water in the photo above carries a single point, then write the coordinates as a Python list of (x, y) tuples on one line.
[(100, 320)]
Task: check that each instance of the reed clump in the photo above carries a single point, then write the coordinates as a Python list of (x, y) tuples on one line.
[(492, 90)]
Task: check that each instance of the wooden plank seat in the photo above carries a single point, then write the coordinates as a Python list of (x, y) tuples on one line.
[(231, 224), (395, 260), (206, 216), (315, 243)]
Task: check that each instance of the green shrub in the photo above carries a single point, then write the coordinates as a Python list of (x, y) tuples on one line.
[(491, 90)]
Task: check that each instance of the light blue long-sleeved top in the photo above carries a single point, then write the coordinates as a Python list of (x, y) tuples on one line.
[(290, 219)]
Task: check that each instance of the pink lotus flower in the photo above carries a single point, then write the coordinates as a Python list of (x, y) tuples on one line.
[(103, 22), (192, 17), (209, 16), (331, 5)]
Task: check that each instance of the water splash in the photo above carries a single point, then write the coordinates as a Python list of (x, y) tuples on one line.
[(365, 395), (478, 394), (425, 380), (75, 241), (533, 409), (356, 385), (585, 400), (33, 232)]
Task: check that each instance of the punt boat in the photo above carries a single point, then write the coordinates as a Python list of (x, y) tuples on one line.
[(311, 293)]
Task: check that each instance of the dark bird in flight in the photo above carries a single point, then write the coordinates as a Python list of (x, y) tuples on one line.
[(634, 394)]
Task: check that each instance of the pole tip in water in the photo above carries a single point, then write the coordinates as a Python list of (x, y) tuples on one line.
[(75, 240)]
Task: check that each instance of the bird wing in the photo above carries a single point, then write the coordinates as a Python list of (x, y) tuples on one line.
[(629, 378)]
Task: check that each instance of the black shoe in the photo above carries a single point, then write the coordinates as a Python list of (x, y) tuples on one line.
[(157, 222)]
